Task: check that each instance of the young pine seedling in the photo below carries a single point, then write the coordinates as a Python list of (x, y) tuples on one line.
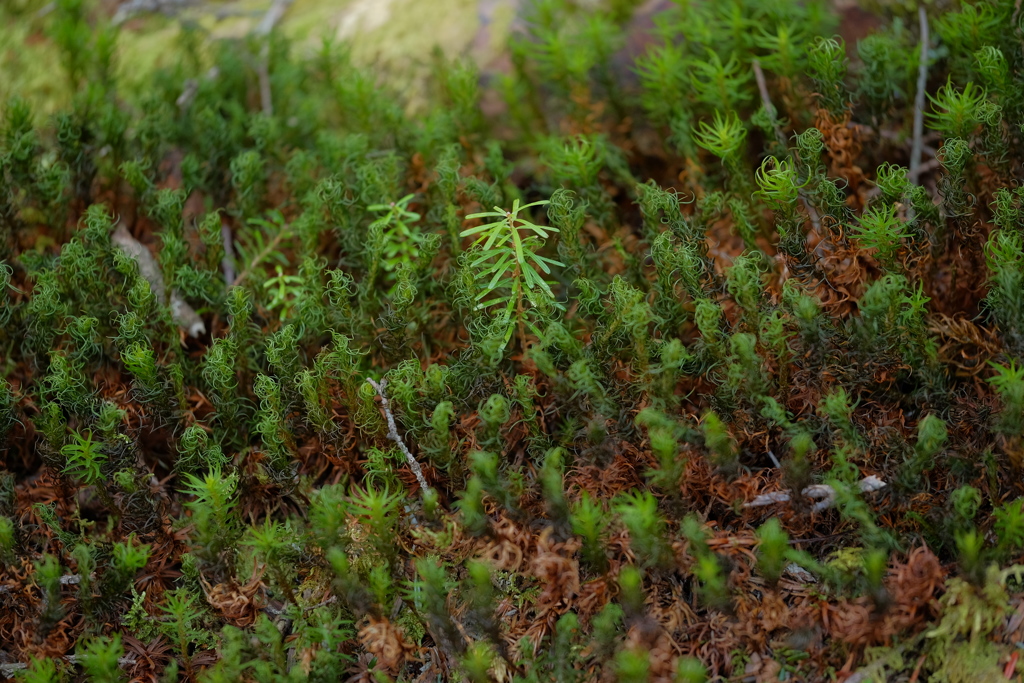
[(283, 290), (509, 263), (880, 229), (84, 458), (401, 241), (724, 138)]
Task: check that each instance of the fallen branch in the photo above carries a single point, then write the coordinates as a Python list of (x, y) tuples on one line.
[(823, 493), (393, 433)]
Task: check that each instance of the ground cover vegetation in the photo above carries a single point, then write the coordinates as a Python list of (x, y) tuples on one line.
[(698, 360)]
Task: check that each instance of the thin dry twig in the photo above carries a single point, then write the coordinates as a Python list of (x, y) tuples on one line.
[(823, 493), (273, 15), (191, 89), (766, 100), (284, 232), (270, 19), (171, 8), (922, 83), (8, 670), (897, 137), (227, 264), (263, 72), (66, 580), (928, 166), (329, 601), (183, 315), (266, 26), (393, 432), (133, 7)]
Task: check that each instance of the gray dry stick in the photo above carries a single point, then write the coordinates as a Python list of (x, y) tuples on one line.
[(183, 315), (379, 387), (922, 83), (823, 493), (766, 101)]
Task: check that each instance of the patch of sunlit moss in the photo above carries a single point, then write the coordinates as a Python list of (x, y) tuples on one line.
[(28, 63)]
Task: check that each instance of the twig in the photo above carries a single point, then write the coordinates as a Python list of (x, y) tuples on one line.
[(184, 315), (801, 574), (929, 166), (263, 30), (8, 670), (227, 264), (917, 669), (133, 7), (766, 100), (191, 89), (260, 256), (922, 83), (273, 15), (329, 601), (825, 494), (393, 432), (875, 671), (263, 72), (66, 580), (816, 539), (896, 137)]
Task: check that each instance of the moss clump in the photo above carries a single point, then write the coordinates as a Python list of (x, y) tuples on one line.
[(672, 336)]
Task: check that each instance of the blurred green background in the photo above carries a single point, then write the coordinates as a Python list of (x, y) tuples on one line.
[(395, 37)]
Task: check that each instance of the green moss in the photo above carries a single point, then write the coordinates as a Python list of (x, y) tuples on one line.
[(353, 324)]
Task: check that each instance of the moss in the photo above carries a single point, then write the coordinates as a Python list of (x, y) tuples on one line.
[(545, 370)]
